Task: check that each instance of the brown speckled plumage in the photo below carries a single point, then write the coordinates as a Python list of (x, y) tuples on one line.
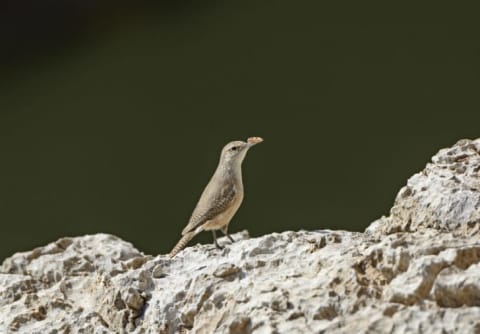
[(212, 203), (222, 196)]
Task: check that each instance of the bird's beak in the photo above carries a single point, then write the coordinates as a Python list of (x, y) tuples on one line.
[(254, 141)]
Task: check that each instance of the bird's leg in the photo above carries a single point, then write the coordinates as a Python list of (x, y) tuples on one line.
[(215, 240), (225, 232)]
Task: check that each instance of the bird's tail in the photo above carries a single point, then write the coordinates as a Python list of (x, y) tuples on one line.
[(182, 243)]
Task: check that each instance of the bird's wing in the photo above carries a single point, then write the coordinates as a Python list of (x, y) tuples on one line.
[(212, 203)]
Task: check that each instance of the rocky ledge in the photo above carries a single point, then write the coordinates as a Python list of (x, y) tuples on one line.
[(416, 271)]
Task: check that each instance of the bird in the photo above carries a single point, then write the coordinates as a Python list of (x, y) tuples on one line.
[(222, 196)]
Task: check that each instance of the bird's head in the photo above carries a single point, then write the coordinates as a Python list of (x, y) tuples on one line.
[(235, 151)]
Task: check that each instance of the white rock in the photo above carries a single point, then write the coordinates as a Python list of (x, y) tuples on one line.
[(444, 196), (416, 271)]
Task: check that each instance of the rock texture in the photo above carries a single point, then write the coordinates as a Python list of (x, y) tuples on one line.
[(416, 271), (445, 196)]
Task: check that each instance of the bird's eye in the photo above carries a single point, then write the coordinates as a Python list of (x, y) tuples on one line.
[(234, 148)]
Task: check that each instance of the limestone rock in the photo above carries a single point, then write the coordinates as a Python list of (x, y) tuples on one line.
[(444, 196), (416, 271)]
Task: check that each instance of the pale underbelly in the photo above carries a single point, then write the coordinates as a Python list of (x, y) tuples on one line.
[(221, 220)]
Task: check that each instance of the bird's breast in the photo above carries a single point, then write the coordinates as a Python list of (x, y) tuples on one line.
[(222, 219)]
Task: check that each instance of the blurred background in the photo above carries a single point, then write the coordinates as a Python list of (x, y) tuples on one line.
[(113, 113)]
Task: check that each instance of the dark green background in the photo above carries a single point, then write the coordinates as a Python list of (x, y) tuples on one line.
[(113, 116)]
